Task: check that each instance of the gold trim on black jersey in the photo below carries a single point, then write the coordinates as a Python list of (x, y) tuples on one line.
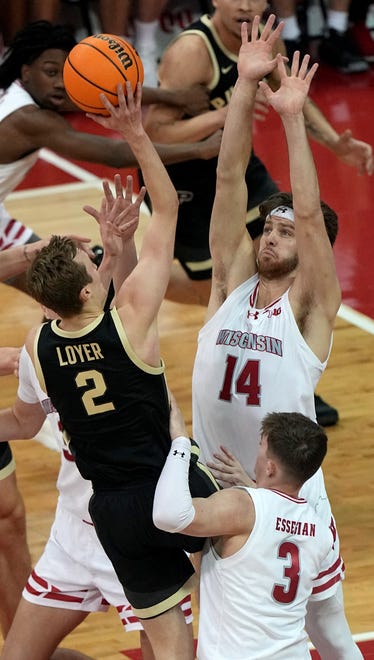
[(129, 350)]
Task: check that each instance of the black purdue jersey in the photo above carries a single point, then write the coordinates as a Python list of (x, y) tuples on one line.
[(113, 407), (195, 180)]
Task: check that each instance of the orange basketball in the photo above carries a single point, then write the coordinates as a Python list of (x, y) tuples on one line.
[(96, 65)]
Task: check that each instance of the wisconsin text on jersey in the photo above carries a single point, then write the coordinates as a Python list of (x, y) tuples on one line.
[(251, 341)]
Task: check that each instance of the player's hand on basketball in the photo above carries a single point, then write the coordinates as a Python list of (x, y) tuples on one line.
[(256, 58), (126, 118), (228, 470), (289, 99)]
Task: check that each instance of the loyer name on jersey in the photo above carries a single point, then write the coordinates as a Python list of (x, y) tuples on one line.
[(78, 353)]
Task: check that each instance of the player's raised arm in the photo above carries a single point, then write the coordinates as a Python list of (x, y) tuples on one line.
[(145, 288), (315, 293), (230, 245)]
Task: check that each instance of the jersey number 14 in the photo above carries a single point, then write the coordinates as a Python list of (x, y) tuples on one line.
[(244, 383)]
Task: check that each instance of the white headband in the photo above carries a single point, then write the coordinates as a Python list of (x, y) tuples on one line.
[(284, 212)]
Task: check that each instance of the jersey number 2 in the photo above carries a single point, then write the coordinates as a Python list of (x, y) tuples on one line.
[(245, 383), (98, 389)]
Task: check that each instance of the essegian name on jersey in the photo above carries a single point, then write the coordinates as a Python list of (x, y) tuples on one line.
[(71, 354), (295, 527), (251, 341)]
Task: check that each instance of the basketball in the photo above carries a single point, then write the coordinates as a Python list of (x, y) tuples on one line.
[(96, 65)]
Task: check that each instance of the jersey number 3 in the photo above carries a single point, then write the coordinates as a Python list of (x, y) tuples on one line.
[(291, 571), (245, 383)]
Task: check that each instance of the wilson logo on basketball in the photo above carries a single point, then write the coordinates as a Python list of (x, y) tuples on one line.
[(115, 46)]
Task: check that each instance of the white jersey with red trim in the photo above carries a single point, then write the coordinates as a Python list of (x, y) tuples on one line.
[(250, 362), (253, 603), (13, 232)]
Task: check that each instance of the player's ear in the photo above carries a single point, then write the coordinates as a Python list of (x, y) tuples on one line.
[(25, 72), (270, 468), (84, 294)]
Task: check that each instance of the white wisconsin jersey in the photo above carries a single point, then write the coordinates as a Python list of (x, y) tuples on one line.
[(74, 491), (253, 603), (250, 362), (13, 232), (11, 174)]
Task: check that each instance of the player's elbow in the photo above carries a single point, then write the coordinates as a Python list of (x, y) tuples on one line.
[(171, 519), (164, 519)]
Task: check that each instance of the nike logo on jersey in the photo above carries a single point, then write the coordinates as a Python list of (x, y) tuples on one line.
[(226, 69)]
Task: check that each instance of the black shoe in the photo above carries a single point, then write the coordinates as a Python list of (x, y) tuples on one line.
[(326, 414), (338, 50)]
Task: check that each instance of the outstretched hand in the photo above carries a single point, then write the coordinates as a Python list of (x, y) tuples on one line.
[(118, 217), (355, 153), (289, 99), (126, 118), (256, 56)]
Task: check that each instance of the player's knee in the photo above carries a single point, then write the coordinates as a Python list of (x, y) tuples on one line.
[(12, 522)]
